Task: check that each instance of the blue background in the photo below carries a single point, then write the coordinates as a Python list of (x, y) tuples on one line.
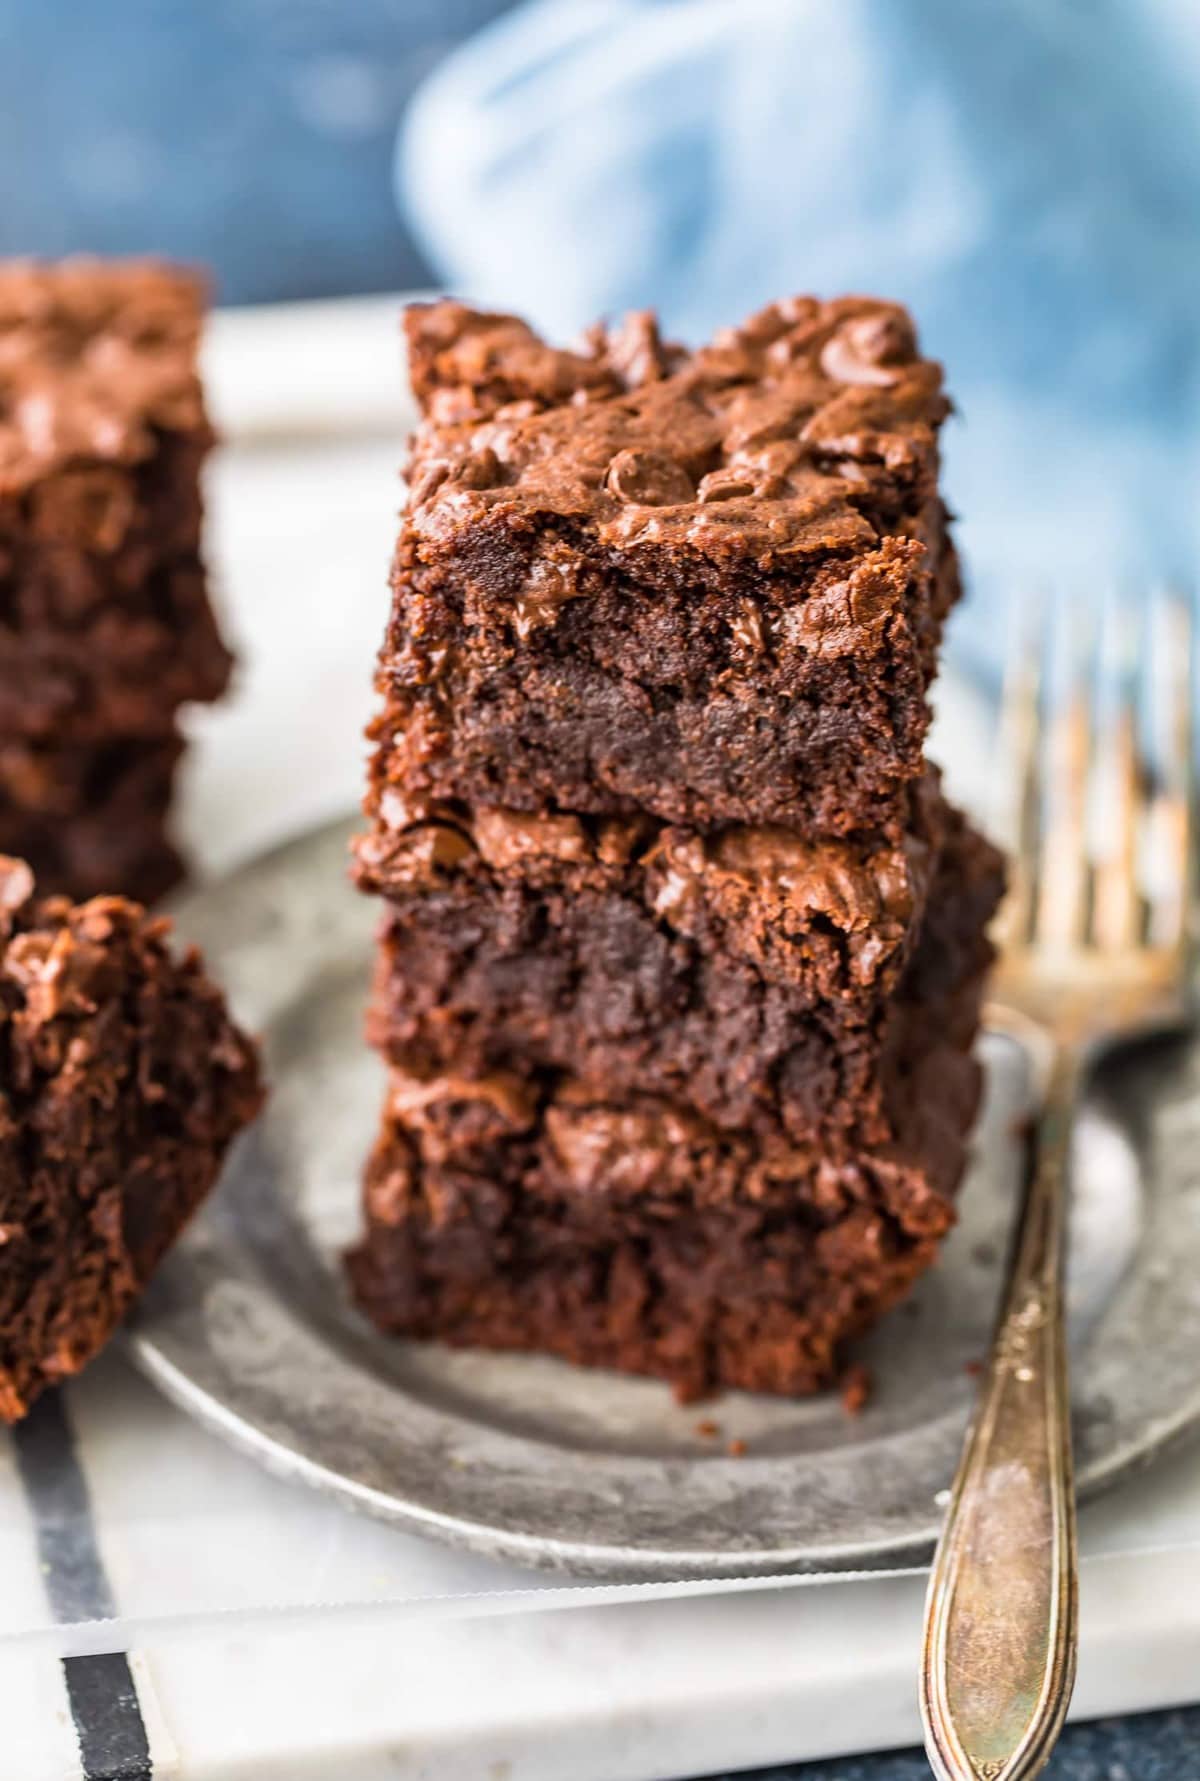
[(253, 135)]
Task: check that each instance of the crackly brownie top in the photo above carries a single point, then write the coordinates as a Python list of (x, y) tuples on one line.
[(767, 442), (95, 358), (78, 987)]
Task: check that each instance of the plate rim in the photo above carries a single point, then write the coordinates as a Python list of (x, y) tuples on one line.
[(603, 1559)]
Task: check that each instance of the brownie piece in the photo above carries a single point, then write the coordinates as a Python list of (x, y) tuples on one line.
[(106, 628), (91, 818), (567, 1166), (706, 586), (122, 1082), (105, 624), (109, 672), (633, 1235), (762, 982)]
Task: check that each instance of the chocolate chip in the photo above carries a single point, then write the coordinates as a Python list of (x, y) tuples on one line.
[(428, 480), (507, 837), (551, 582), (870, 349), (777, 318), (648, 479), (635, 350), (419, 854), (888, 338), (481, 470), (16, 887), (725, 485), (444, 847)]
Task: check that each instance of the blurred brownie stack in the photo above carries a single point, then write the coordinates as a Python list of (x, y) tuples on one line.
[(683, 948), (105, 624)]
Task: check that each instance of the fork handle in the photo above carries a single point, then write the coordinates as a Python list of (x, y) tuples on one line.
[(1001, 1616)]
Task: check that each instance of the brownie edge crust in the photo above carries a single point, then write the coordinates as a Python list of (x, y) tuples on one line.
[(123, 1081)]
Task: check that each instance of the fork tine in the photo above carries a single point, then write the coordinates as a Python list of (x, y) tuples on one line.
[(1170, 876), (1098, 800), (1016, 815), (1061, 918), (1117, 907)]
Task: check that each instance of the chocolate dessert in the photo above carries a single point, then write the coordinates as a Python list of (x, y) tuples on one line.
[(683, 948), (122, 1083), (105, 624), (708, 586)]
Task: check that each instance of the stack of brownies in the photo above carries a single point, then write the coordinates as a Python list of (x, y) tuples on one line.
[(105, 625), (683, 947)]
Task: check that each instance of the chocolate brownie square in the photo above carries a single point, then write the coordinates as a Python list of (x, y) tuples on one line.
[(105, 623), (122, 1083), (707, 586), (633, 1235), (761, 981), (106, 628)]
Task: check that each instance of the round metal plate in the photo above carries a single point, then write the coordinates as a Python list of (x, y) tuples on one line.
[(248, 1325)]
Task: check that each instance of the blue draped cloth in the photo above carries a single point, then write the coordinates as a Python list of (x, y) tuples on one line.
[(1026, 176)]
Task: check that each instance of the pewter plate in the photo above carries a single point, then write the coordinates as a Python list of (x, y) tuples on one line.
[(248, 1326)]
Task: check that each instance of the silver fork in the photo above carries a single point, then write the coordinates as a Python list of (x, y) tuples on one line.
[(1095, 943)]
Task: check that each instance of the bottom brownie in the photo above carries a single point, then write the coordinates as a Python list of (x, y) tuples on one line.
[(122, 1082), (637, 1236), (539, 1185), (90, 819)]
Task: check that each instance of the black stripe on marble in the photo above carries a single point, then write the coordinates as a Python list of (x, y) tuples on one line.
[(103, 1695), (108, 1718)]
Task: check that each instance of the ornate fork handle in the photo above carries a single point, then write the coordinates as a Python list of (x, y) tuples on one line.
[(1001, 1618)]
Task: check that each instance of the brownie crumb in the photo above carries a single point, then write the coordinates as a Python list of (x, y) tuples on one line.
[(856, 1390), (737, 1449), (707, 1429)]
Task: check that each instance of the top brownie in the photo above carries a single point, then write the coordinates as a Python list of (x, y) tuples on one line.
[(104, 619), (708, 585)]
